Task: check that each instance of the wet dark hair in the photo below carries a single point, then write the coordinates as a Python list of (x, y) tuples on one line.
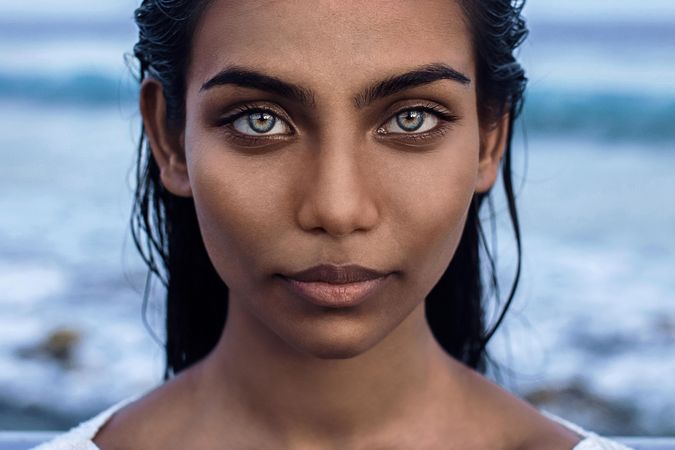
[(166, 232)]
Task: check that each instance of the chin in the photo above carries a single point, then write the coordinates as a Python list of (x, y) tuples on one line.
[(334, 341)]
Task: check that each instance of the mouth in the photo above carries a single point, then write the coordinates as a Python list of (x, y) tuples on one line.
[(336, 286)]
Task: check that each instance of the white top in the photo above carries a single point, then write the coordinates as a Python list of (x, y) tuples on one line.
[(80, 437)]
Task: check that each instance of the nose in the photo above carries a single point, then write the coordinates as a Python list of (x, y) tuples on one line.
[(339, 195)]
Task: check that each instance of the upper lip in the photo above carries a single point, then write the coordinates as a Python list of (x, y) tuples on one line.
[(329, 273)]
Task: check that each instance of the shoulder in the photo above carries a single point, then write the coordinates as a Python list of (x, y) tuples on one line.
[(515, 424), (157, 419), (144, 420), (122, 425)]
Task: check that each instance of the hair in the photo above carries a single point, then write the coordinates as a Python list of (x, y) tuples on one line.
[(165, 229)]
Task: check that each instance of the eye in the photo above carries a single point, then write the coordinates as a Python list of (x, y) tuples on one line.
[(416, 120), (257, 122)]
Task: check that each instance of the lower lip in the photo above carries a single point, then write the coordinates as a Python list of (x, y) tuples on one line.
[(335, 295)]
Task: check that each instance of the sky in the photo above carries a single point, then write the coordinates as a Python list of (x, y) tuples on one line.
[(579, 10)]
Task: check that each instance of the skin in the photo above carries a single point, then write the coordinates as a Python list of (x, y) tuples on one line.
[(328, 189)]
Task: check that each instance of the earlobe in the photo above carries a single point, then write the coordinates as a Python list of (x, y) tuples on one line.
[(166, 144), (493, 144)]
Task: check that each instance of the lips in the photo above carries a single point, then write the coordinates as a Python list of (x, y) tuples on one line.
[(328, 273), (336, 286)]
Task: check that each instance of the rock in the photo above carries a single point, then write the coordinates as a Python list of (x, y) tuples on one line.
[(59, 345)]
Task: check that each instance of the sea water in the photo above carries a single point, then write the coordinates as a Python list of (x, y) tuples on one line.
[(591, 332)]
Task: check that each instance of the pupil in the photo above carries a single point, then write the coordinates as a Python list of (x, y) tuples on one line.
[(410, 120), (261, 122)]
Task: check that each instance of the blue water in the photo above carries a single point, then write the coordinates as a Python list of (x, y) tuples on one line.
[(595, 313)]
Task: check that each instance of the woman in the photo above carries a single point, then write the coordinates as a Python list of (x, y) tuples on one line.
[(310, 192)]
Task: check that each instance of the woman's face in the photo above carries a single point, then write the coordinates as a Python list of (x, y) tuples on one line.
[(323, 163)]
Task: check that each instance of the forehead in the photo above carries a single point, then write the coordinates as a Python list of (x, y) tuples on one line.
[(329, 44)]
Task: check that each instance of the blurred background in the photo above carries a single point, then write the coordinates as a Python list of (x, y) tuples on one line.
[(591, 335)]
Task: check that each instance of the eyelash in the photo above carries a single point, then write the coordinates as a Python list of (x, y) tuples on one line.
[(241, 138), (445, 118)]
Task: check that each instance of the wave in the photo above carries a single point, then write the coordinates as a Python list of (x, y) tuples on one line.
[(81, 89), (606, 114)]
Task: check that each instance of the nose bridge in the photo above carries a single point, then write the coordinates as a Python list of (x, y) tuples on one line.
[(338, 198)]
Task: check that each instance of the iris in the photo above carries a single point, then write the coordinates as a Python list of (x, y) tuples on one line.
[(411, 120), (261, 122)]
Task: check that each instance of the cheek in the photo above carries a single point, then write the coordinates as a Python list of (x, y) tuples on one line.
[(431, 206), (239, 205)]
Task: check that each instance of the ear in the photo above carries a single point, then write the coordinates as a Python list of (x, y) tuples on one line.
[(493, 144), (166, 144)]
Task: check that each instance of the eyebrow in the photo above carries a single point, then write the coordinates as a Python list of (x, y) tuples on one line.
[(240, 76)]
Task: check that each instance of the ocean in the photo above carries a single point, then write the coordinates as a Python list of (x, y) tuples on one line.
[(590, 336)]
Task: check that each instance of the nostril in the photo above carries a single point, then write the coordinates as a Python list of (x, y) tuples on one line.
[(338, 216)]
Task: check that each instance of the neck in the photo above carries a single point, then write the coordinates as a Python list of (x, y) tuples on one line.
[(300, 397)]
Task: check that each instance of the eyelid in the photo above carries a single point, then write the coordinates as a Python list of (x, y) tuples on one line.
[(442, 114), (250, 108)]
